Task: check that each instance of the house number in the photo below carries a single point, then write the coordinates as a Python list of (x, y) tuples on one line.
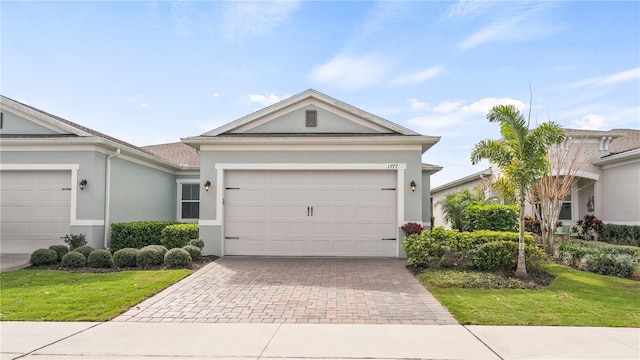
[(392, 166)]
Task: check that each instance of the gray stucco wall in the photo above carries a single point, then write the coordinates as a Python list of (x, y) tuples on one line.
[(620, 193), (294, 122), (14, 124), (141, 193), (212, 234)]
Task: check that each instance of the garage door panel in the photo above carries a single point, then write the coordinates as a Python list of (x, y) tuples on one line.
[(351, 213), (35, 209)]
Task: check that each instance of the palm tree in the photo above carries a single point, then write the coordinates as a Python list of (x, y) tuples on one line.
[(454, 205), (521, 155)]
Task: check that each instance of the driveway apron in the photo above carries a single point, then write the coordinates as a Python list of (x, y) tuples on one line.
[(295, 290)]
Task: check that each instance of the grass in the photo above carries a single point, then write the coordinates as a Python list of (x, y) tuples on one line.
[(575, 298), (51, 295)]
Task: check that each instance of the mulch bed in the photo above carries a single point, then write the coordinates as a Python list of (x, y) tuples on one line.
[(195, 265), (540, 278)]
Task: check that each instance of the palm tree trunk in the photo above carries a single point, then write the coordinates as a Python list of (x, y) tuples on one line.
[(521, 270)]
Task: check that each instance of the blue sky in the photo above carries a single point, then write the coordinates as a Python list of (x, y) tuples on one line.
[(153, 72)]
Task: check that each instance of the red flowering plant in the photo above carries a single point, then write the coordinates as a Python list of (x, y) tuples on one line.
[(412, 228)]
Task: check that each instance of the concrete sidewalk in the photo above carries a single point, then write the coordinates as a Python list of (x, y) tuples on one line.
[(28, 340), (14, 261)]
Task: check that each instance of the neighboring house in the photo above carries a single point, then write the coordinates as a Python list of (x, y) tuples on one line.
[(308, 176), (608, 185)]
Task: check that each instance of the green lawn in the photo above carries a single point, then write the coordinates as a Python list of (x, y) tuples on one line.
[(50, 295), (575, 298)]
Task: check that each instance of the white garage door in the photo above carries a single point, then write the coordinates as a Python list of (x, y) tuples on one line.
[(310, 213), (35, 209)]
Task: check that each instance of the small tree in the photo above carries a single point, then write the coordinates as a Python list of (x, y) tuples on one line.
[(454, 206), (521, 154), (549, 192)]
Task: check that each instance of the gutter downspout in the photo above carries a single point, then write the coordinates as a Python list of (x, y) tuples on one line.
[(107, 197)]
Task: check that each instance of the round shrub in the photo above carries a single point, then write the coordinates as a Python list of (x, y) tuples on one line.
[(150, 255), (125, 258), (177, 257), (84, 250), (44, 257), (423, 249), (61, 250), (74, 259), (178, 235), (194, 251), (199, 243), (100, 259)]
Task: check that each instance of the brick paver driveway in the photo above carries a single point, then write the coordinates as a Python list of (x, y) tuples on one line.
[(295, 290)]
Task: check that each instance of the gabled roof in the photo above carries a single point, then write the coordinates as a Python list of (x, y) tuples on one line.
[(381, 131), (319, 98), (74, 133), (473, 177)]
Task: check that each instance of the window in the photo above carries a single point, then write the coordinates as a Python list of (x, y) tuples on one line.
[(189, 201), (565, 210), (311, 118)]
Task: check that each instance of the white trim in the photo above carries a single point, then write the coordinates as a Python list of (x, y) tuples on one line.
[(619, 163), (54, 148), (147, 164), (309, 147), (42, 119), (72, 167), (87, 222), (621, 222), (179, 183), (209, 223), (580, 173), (605, 161)]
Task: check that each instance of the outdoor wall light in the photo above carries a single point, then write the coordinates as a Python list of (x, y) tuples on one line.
[(207, 185), (413, 186), (83, 183)]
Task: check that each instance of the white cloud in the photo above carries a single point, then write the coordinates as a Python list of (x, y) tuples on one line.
[(266, 99), (467, 9), (351, 73), (590, 122), (134, 98), (418, 105), (215, 94), (418, 77), (611, 79), (145, 105), (451, 114), (244, 18)]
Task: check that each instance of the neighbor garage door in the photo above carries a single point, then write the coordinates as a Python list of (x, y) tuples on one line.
[(310, 213), (35, 209)]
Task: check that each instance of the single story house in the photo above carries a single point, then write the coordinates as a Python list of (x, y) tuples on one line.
[(608, 183), (308, 176)]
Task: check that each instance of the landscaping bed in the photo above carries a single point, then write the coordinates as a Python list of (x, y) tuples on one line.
[(194, 265)]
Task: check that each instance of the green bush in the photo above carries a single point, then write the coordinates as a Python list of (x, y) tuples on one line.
[(100, 259), (44, 257), (621, 265), (422, 249), (177, 257), (199, 243), (465, 241), (194, 251), (621, 234), (137, 234), (75, 241), (494, 217), (503, 255), (84, 250), (150, 255), (178, 235), (125, 258), (74, 259), (61, 250)]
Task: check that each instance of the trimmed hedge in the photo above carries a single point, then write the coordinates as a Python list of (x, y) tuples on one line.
[(74, 259), (137, 234), (599, 257), (177, 257), (178, 235), (43, 257), (84, 250), (503, 255), (125, 258), (444, 247), (100, 259), (621, 234), (61, 250), (194, 251), (496, 217), (150, 255)]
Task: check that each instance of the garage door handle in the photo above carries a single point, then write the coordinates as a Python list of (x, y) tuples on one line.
[(388, 188), (385, 239), (231, 237), (312, 211), (308, 210)]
